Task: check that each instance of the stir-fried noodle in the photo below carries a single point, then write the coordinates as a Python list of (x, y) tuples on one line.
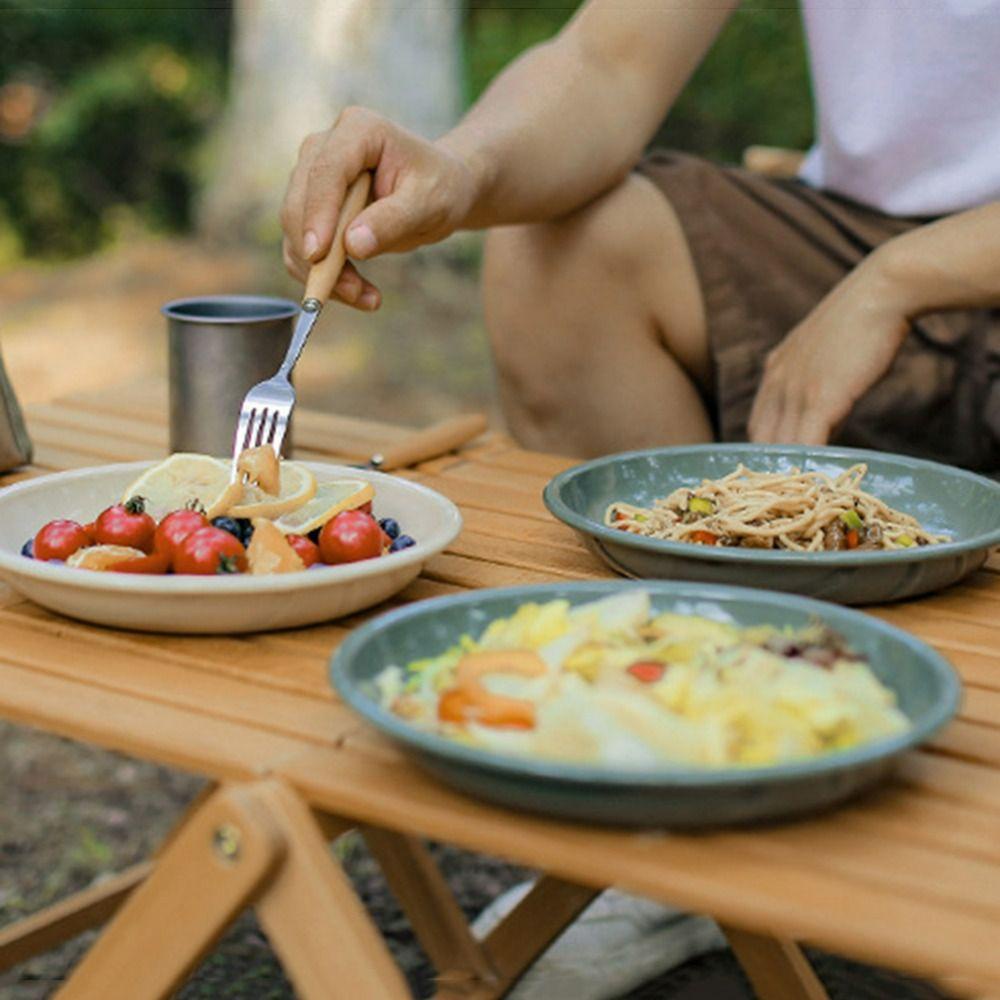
[(794, 510)]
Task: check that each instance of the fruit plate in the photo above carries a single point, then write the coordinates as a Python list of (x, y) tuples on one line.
[(218, 605), (944, 499), (925, 685)]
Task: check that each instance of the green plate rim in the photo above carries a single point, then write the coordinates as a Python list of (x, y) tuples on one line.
[(561, 510), (587, 775)]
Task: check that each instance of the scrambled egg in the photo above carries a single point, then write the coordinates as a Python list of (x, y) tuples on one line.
[(626, 687)]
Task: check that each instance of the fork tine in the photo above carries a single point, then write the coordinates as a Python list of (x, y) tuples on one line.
[(258, 436), (280, 427), (242, 429)]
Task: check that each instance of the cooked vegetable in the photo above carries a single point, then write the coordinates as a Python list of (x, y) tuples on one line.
[(852, 519), (701, 505)]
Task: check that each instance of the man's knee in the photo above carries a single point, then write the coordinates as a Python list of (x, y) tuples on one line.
[(536, 275)]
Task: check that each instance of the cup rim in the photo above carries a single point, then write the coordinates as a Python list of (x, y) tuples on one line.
[(276, 309)]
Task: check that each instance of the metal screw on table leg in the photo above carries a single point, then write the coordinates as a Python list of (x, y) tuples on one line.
[(226, 841)]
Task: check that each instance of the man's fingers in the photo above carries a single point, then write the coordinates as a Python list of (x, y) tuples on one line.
[(354, 290), (765, 414), (295, 195), (381, 226), (355, 144), (812, 430)]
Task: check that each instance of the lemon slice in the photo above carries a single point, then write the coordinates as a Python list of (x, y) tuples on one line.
[(298, 487), (183, 479), (331, 498), (269, 552), (103, 557)]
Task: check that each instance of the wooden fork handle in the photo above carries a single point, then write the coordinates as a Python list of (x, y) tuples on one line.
[(323, 274), (438, 439)]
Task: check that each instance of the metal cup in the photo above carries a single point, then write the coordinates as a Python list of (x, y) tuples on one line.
[(220, 346)]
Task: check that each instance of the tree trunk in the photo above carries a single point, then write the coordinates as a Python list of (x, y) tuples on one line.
[(296, 65)]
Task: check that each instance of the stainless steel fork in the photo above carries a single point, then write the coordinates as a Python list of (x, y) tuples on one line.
[(268, 405)]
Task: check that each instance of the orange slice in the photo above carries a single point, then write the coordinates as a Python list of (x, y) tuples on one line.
[(103, 557), (269, 551)]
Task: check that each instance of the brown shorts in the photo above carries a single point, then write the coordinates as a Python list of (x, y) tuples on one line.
[(766, 251)]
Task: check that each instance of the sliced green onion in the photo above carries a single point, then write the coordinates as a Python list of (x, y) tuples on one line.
[(701, 505), (852, 519), (905, 541)]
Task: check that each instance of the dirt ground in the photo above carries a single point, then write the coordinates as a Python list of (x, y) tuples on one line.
[(422, 356), (71, 814)]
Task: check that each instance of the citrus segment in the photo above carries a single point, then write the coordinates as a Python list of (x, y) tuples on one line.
[(298, 487), (103, 557), (269, 551), (331, 498), (182, 480), (260, 466)]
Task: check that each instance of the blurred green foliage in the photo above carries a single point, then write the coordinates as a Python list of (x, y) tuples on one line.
[(752, 88), (103, 106), (101, 112)]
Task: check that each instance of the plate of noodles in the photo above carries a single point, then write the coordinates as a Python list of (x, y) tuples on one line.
[(662, 703), (847, 525)]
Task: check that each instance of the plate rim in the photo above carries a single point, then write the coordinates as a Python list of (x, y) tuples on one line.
[(14, 566), (552, 496), (581, 775)]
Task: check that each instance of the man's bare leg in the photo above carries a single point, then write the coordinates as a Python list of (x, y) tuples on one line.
[(598, 327)]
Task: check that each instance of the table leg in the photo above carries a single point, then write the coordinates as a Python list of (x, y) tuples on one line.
[(84, 910), (777, 968), (313, 918), (204, 878), (255, 843), (438, 923), (69, 917), (467, 968)]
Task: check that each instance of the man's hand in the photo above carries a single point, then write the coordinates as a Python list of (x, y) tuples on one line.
[(835, 355), (422, 191)]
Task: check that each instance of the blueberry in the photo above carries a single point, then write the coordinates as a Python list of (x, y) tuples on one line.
[(229, 524), (390, 526), (402, 542), (313, 535), (28, 549), (246, 529)]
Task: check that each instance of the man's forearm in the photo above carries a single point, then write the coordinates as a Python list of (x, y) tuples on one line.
[(571, 117), (953, 263)]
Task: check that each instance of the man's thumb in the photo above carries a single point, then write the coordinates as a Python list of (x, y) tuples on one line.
[(380, 226)]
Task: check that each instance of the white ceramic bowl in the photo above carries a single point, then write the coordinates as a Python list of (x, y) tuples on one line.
[(223, 604)]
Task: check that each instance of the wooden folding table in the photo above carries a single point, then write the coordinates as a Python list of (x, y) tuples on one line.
[(907, 877)]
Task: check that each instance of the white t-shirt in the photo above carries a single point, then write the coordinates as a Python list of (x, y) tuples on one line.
[(908, 102)]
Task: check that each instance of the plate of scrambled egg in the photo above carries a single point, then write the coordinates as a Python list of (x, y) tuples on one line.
[(667, 703)]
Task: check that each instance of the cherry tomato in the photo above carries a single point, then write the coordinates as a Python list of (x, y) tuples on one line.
[(646, 671), (365, 508), (704, 537), (350, 537), (59, 539), (126, 524), (209, 551), (91, 528), (174, 528), (307, 549), (158, 562)]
